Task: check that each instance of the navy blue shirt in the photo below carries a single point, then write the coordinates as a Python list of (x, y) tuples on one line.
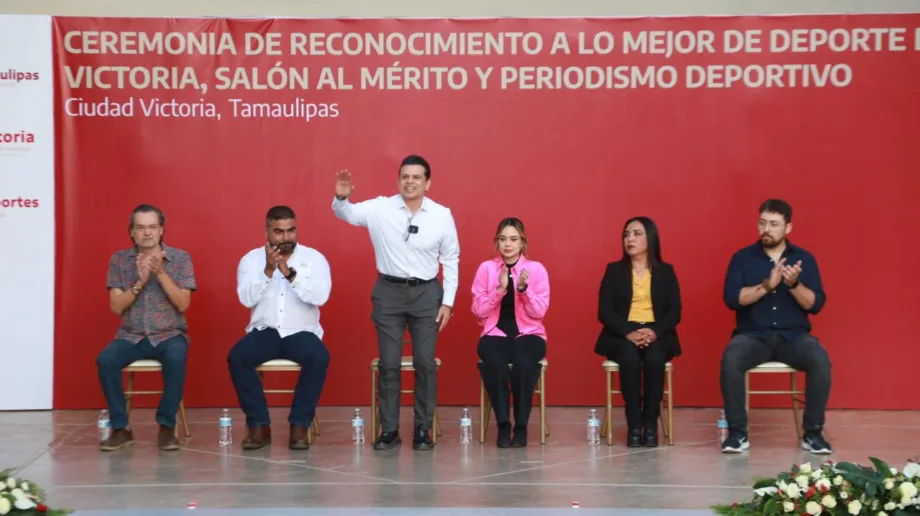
[(778, 310)]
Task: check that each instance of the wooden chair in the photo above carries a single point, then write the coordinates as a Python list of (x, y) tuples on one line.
[(667, 413), (150, 366), (282, 365), (793, 392), (405, 366), (485, 406)]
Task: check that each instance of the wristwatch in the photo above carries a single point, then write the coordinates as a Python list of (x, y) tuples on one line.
[(135, 290), (523, 289), (291, 274)]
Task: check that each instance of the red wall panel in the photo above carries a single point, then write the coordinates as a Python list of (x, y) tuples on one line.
[(572, 164)]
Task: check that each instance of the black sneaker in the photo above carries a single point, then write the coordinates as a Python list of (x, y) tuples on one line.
[(422, 439), (387, 440), (504, 435), (737, 442), (815, 443)]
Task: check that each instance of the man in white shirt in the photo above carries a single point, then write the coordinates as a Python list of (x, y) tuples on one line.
[(284, 283), (411, 234)]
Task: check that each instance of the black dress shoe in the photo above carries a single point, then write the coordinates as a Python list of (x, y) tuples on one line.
[(504, 435), (422, 439), (387, 440), (520, 437), (650, 439), (634, 438)]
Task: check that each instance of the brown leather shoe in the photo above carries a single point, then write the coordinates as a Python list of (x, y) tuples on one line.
[(259, 437), (298, 439), (167, 438), (118, 439)]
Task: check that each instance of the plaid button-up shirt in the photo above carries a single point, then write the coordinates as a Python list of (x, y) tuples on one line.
[(151, 315)]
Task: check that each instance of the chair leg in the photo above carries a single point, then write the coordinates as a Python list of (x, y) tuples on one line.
[(543, 429), (437, 428), (374, 421), (795, 407), (747, 393), (483, 417), (670, 408), (129, 393), (608, 410), (184, 420), (315, 425)]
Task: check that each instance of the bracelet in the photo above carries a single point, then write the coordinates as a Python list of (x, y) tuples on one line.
[(766, 286)]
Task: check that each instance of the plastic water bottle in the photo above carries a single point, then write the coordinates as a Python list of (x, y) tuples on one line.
[(722, 424), (594, 428), (105, 426), (466, 427), (226, 428), (357, 428)]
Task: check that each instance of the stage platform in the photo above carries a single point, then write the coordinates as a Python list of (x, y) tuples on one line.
[(59, 451)]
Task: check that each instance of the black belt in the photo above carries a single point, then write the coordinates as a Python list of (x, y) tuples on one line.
[(412, 282)]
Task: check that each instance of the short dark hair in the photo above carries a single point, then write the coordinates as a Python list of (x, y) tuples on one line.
[(414, 159), (278, 213), (779, 207), (651, 236), (147, 208)]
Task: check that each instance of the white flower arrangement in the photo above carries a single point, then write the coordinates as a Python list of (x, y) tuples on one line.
[(835, 489), (19, 497)]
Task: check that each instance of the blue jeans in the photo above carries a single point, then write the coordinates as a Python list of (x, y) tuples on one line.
[(260, 346), (171, 353)]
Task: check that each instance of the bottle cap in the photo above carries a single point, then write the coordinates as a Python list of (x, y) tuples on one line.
[(575, 505)]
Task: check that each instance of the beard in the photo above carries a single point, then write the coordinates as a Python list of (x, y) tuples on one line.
[(286, 248), (769, 242)]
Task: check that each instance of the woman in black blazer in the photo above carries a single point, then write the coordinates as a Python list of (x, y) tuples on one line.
[(639, 307)]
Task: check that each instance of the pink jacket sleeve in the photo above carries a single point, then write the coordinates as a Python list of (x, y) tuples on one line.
[(485, 300), (536, 297)]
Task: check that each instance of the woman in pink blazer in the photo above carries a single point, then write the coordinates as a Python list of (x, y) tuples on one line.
[(510, 298)]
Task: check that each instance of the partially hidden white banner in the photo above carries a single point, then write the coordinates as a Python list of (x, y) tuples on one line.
[(26, 213)]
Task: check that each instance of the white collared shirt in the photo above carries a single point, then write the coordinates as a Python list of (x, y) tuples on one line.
[(400, 253), (289, 307)]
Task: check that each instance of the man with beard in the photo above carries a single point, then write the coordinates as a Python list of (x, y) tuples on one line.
[(412, 236), (150, 287), (773, 286), (284, 284)]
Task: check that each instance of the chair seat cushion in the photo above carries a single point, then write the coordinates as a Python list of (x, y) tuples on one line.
[(405, 363), (139, 365), (773, 366), (280, 362), (610, 365)]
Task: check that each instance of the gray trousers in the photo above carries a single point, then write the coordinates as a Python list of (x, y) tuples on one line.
[(395, 307)]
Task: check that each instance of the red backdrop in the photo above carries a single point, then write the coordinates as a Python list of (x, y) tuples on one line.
[(572, 163)]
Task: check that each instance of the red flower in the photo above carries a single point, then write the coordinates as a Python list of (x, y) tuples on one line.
[(734, 505), (810, 492), (41, 507)]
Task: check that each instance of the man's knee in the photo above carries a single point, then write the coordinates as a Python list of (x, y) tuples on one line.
[(108, 359), (321, 357), (237, 355), (732, 362)]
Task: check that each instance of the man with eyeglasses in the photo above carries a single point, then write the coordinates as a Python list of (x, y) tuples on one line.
[(412, 235), (150, 287)]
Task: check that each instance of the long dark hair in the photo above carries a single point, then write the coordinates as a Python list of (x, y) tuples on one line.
[(651, 234)]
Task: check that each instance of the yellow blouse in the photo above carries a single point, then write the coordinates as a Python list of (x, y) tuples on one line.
[(641, 308)]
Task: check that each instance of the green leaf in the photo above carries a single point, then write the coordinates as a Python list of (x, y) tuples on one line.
[(770, 506), (880, 466), (764, 482)]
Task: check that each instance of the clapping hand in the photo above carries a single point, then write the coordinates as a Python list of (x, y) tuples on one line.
[(503, 277), (522, 280), (776, 275), (272, 257), (155, 263), (143, 268), (791, 273)]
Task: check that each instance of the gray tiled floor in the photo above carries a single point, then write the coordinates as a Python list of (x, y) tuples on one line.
[(59, 451)]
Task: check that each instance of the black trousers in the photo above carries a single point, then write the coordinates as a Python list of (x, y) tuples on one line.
[(260, 346), (523, 354), (747, 351), (641, 378)]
